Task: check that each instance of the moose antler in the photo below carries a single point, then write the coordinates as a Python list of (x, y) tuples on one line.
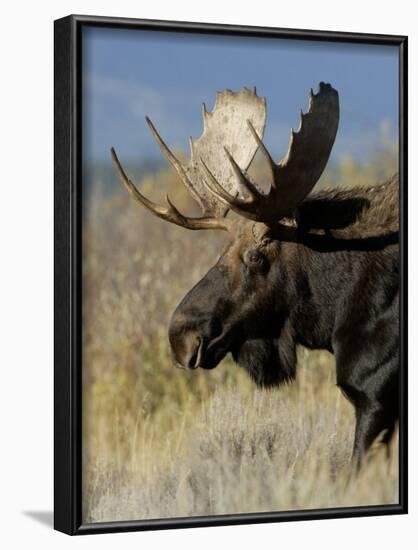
[(226, 125), (170, 212), (294, 177)]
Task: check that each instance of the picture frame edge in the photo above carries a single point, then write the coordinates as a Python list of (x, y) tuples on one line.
[(67, 275)]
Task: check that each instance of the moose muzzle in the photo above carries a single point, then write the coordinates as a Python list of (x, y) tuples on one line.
[(195, 331)]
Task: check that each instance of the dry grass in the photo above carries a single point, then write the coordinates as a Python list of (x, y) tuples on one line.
[(159, 442), (243, 451)]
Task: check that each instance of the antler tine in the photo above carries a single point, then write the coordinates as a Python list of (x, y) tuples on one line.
[(169, 213), (168, 154), (264, 150), (238, 205), (242, 178)]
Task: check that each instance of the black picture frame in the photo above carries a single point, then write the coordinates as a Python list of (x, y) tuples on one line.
[(68, 263)]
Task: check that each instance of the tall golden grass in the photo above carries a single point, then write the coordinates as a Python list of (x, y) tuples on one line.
[(160, 442)]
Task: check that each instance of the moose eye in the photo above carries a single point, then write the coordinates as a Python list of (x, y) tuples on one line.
[(254, 258)]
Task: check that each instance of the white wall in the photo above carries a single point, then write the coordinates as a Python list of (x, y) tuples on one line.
[(26, 267)]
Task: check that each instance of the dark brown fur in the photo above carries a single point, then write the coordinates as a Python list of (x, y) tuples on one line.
[(326, 278)]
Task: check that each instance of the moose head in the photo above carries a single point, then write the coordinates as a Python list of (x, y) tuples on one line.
[(241, 304)]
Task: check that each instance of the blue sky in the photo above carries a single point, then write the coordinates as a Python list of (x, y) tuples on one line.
[(128, 74)]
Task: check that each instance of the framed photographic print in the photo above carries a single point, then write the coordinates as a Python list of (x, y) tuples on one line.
[(230, 307)]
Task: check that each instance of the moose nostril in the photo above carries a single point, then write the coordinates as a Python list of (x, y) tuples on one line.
[(196, 356)]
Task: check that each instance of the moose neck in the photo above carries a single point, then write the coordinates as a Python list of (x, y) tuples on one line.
[(322, 275), (313, 283), (326, 248)]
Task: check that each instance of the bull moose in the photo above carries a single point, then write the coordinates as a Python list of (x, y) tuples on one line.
[(319, 270)]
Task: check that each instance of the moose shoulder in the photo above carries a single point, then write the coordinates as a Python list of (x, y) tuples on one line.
[(318, 270)]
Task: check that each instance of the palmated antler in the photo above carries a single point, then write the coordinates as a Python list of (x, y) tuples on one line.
[(225, 126), (294, 177)]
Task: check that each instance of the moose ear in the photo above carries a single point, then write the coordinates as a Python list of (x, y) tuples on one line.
[(325, 213), (262, 233), (269, 362)]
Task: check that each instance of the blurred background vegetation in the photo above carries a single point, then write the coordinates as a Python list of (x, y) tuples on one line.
[(162, 442)]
